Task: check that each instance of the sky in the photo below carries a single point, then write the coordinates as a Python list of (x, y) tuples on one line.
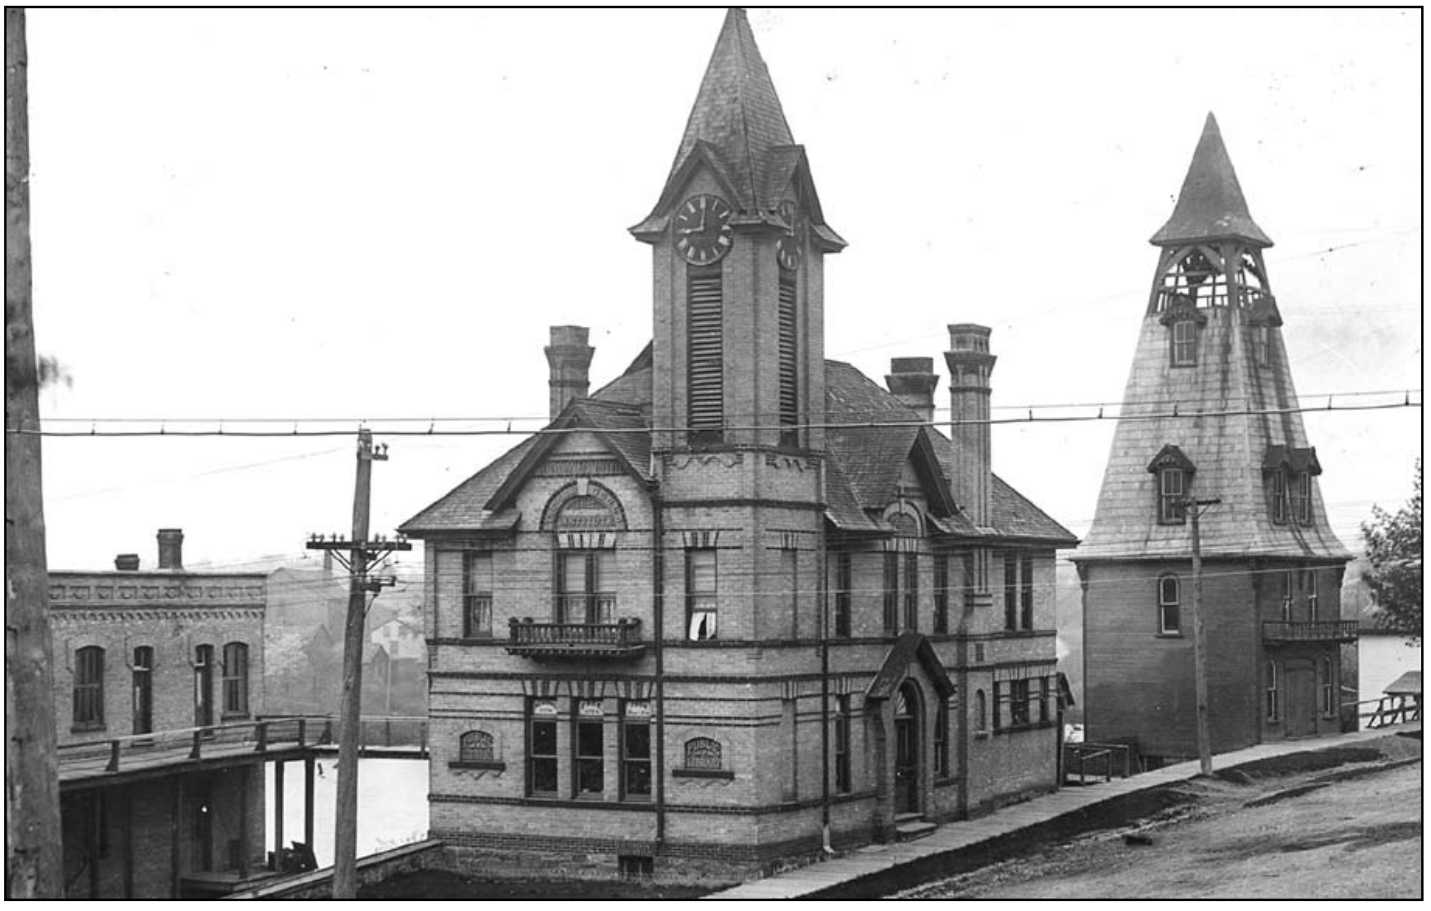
[(319, 218)]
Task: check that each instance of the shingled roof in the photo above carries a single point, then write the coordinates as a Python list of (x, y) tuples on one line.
[(1211, 205), (871, 437)]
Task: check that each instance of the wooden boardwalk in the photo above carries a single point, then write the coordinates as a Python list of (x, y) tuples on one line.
[(957, 836)]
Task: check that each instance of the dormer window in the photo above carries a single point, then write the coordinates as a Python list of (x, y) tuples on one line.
[(1288, 472), (1185, 343), (1262, 345), (1279, 497), (1302, 498), (1173, 471)]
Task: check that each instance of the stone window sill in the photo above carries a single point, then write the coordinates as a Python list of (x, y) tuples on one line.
[(703, 773)]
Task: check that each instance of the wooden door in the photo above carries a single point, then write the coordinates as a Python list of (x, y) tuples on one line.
[(906, 751), (1301, 700)]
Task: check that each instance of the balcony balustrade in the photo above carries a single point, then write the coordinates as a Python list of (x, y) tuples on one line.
[(1283, 631), (587, 631)]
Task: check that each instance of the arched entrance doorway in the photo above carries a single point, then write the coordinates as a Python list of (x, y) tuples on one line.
[(907, 706)]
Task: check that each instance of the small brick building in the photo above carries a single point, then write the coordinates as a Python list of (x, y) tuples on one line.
[(742, 603), (139, 655), (1210, 413)]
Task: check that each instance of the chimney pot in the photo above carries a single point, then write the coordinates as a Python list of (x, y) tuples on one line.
[(569, 357), (127, 563), (171, 548), (970, 364)]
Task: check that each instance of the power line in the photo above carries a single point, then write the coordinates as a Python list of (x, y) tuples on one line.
[(433, 431)]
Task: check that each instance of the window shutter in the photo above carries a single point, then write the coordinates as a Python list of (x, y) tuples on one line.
[(705, 382), (789, 397)]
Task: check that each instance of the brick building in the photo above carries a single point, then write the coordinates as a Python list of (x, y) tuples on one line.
[(742, 602), (143, 658), (1210, 413)]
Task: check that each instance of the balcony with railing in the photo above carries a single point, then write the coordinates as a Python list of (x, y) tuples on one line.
[(1278, 632), (585, 628)]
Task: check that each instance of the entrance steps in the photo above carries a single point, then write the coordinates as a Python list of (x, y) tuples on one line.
[(910, 826)]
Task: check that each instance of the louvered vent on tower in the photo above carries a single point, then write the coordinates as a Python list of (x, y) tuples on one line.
[(705, 383), (789, 396)]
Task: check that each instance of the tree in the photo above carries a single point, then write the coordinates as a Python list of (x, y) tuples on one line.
[(1393, 547)]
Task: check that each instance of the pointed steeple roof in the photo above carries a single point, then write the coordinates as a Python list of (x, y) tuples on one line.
[(1211, 205), (737, 113)]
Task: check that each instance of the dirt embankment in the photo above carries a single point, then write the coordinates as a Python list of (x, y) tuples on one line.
[(1340, 823)]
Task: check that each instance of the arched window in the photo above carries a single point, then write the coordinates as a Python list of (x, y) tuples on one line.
[(1169, 606), (89, 688), (235, 680), (703, 753), (476, 746), (981, 712)]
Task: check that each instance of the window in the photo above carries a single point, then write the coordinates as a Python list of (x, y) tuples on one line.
[(843, 781), (1289, 580), (1011, 702), (1045, 703), (542, 747), (981, 712), (941, 740), (1185, 343), (476, 746), (1312, 594), (203, 686), (579, 598), (705, 383), (142, 674), (1302, 498), (1272, 712), (235, 680), (589, 744), (941, 593), (89, 688), (1170, 606), (1279, 496), (701, 593), (1262, 345), (1329, 689), (891, 592), (1018, 591), (704, 754), (1172, 488), (843, 594), (911, 591), (477, 595), (789, 377), (636, 750)]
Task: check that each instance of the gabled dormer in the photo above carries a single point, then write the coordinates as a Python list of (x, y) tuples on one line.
[(739, 238)]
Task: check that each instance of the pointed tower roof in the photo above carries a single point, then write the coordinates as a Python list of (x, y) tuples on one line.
[(1210, 205), (737, 113)]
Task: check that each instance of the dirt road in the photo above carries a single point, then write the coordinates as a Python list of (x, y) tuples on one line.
[(1309, 826)]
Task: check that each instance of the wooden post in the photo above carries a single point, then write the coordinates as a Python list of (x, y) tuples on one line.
[(308, 765), (33, 858), (1204, 744), (278, 813)]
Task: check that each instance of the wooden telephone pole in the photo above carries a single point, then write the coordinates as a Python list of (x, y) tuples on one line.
[(32, 787), (362, 557), (1195, 510)]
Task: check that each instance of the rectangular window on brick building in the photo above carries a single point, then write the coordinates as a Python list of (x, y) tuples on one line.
[(143, 679), (89, 688), (843, 780), (542, 747), (589, 748), (911, 591), (581, 575), (701, 594), (1011, 591), (941, 739), (941, 593), (843, 593), (636, 750), (1026, 592), (891, 593), (477, 594), (235, 680)]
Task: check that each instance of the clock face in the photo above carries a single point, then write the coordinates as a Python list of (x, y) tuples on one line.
[(787, 250), (702, 227)]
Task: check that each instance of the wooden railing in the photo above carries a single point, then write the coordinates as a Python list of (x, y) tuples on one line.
[(159, 747), (1389, 710), (1309, 631), (530, 637), (1101, 759)]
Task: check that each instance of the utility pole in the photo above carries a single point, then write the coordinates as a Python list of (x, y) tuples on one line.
[(1195, 509), (362, 557), (32, 787)]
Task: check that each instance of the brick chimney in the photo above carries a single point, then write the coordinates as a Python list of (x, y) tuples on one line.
[(970, 364), (569, 357), (171, 548), (127, 563), (912, 381)]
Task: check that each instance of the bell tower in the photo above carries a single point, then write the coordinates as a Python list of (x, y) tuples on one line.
[(738, 240)]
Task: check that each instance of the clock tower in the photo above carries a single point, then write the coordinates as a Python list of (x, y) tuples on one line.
[(739, 241)]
